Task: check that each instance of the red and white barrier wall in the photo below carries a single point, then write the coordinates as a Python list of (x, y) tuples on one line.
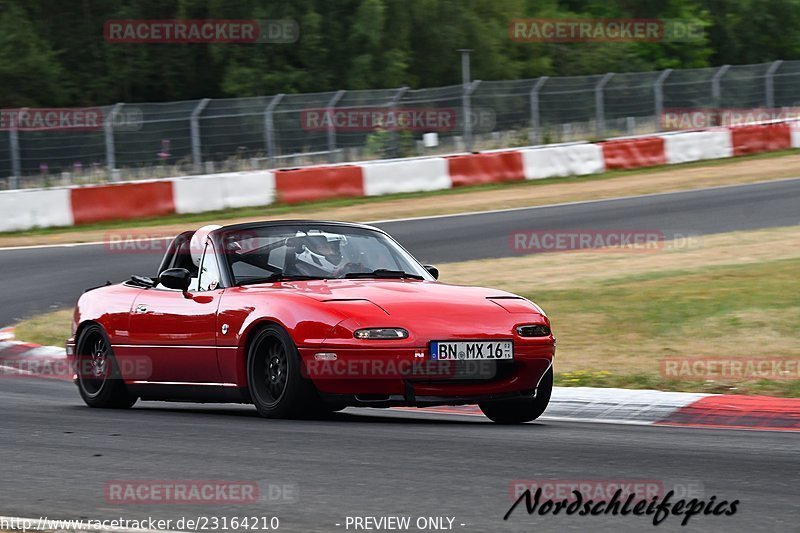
[(26, 209), (697, 145), (406, 175), (195, 194), (35, 208), (561, 161)]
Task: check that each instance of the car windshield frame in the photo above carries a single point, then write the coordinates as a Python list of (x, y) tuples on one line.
[(224, 237)]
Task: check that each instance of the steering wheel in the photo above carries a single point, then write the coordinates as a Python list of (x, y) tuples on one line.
[(347, 268)]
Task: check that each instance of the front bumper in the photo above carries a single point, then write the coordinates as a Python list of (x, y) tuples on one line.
[(392, 377)]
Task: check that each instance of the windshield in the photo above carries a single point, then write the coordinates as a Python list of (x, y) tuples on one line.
[(275, 253)]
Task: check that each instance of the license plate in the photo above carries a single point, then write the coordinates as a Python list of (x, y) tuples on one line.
[(471, 350)]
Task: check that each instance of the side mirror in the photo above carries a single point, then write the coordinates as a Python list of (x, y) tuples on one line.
[(176, 278), (432, 270)]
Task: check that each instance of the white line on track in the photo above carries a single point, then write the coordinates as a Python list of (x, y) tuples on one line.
[(451, 215)]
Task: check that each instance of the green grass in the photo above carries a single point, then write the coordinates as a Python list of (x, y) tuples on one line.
[(311, 207), (50, 329)]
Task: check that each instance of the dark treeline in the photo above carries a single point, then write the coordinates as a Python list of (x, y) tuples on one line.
[(53, 52)]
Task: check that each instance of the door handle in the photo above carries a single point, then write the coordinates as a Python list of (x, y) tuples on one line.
[(141, 308)]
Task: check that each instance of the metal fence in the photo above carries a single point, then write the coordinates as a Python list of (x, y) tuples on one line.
[(138, 141)]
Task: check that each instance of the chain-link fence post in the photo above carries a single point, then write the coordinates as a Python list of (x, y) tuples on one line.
[(16, 169), (194, 121), (467, 105), (769, 84), (330, 108), (599, 104), (269, 127), (108, 127), (658, 97), (466, 100), (533, 134), (393, 145), (716, 93)]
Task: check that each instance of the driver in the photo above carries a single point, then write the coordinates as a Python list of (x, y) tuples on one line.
[(319, 255)]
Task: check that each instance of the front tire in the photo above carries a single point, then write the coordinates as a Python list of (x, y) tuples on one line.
[(518, 411), (277, 388), (99, 380)]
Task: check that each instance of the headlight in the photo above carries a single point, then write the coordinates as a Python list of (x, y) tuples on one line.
[(533, 330), (381, 333)]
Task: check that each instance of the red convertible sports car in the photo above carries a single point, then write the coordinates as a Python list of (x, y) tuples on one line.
[(304, 317)]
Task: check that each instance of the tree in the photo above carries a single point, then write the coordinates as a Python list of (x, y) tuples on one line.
[(53, 52), (30, 72)]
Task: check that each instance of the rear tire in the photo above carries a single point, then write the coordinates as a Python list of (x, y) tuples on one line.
[(520, 410), (99, 380), (277, 387)]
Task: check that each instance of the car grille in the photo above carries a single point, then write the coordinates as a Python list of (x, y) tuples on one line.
[(463, 371)]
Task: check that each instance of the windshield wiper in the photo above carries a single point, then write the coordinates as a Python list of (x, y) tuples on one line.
[(278, 276), (384, 273)]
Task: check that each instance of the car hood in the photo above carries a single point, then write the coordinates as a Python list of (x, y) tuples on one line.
[(415, 298), (427, 309)]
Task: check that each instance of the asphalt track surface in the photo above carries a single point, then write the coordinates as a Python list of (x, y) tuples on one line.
[(40, 279), (58, 456)]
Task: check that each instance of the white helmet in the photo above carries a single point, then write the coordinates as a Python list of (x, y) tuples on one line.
[(322, 252), (198, 243)]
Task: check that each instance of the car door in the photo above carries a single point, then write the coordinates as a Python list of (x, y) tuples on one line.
[(177, 332)]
